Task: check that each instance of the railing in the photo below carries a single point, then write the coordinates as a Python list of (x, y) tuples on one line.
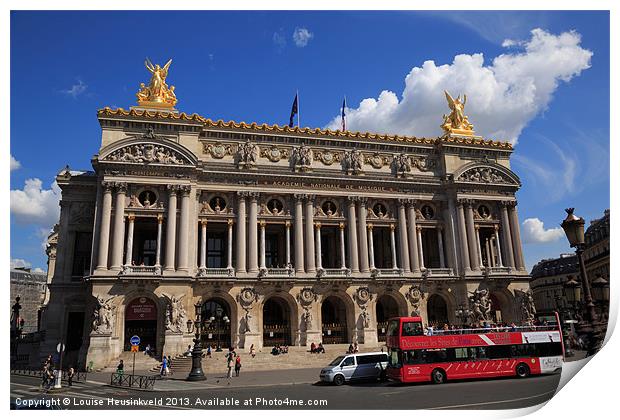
[(216, 272), (438, 272), (141, 269), (388, 272), (280, 272), (336, 272), (497, 270), (485, 330), (77, 376), (132, 381)]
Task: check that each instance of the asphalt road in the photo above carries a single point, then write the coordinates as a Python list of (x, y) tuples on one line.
[(480, 394)]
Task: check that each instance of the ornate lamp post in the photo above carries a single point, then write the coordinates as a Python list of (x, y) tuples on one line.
[(590, 325), (600, 293), (196, 373), (463, 313), (218, 317)]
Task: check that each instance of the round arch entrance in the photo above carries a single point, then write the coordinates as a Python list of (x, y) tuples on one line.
[(276, 322), (387, 308), (334, 321), (141, 320), (215, 313), (437, 311)]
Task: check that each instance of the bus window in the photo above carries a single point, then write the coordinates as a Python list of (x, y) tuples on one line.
[(412, 328), (392, 329), (460, 353), (395, 358)]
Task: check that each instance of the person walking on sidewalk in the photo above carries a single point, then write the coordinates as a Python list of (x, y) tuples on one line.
[(237, 365), (120, 368), (164, 367), (70, 375), (231, 364), (252, 351)]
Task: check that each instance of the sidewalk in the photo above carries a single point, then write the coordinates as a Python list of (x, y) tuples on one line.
[(177, 382)]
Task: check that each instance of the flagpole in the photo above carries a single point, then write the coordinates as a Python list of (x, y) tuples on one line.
[(298, 124)]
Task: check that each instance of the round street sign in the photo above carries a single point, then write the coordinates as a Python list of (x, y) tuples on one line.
[(60, 347), (134, 341)]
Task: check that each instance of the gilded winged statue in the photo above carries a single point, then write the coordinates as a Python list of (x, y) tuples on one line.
[(456, 121), (157, 91)]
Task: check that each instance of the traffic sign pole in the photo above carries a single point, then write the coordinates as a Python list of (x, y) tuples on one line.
[(133, 369), (135, 343)]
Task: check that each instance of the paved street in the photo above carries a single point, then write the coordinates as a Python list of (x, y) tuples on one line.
[(290, 389)]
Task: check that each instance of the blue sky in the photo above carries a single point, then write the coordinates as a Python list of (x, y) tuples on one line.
[(246, 66)]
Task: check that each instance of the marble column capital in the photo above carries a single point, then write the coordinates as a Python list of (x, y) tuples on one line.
[(262, 223), (131, 217), (185, 190), (392, 227), (464, 202), (419, 228), (160, 218), (230, 222), (509, 203), (121, 187), (369, 226), (107, 186), (203, 222), (173, 189), (300, 197), (341, 225), (317, 225)]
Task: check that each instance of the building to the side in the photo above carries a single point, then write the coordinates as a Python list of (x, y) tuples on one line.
[(596, 252), (30, 287), (548, 278), (277, 234)]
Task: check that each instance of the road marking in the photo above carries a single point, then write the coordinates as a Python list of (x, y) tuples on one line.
[(489, 402)]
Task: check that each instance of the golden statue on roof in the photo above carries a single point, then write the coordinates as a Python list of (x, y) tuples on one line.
[(456, 122), (157, 94)]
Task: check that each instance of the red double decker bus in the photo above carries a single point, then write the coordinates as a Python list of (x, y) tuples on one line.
[(472, 353)]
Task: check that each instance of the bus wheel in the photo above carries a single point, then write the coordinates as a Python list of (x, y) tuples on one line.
[(338, 380), (523, 371), (438, 376)]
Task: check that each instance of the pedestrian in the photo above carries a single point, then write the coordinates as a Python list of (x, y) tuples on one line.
[(44, 375), (189, 351), (70, 375), (237, 365), (164, 367), (147, 350), (169, 365), (356, 348), (231, 364), (209, 350), (120, 368), (50, 377)]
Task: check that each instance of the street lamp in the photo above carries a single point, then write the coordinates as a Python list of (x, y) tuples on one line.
[(196, 373), (463, 313), (590, 326), (600, 293)]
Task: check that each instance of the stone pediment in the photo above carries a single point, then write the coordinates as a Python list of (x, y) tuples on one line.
[(486, 173), (147, 150)]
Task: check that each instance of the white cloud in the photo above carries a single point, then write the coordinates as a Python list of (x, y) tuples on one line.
[(502, 97), (302, 36), (534, 232), (35, 205), (76, 89), (20, 263), (38, 270), (15, 164)]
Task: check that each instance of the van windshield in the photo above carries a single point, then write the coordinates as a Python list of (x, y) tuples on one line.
[(336, 361)]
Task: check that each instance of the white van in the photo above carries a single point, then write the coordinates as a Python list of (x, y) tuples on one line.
[(355, 366)]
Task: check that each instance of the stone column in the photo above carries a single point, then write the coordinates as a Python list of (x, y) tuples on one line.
[(463, 237), (160, 220), (393, 244), (343, 263), (253, 234), (171, 228), (309, 243), (184, 229), (414, 256), (118, 240), (363, 237), (287, 226), (129, 249), (442, 262), (487, 248), (420, 248), (471, 238), (299, 234), (515, 230), (241, 232), (104, 231), (230, 223), (478, 247), (402, 237), (499, 249), (263, 226), (319, 261), (371, 247), (351, 222), (203, 244), (449, 215), (506, 236)]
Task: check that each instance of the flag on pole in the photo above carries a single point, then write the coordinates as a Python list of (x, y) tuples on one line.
[(344, 115), (294, 111)]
